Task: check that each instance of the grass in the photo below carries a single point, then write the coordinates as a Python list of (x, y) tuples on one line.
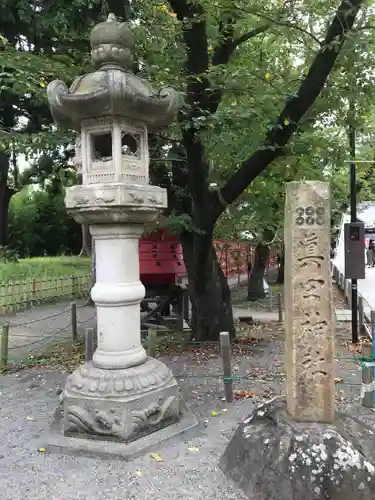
[(40, 268), (39, 280)]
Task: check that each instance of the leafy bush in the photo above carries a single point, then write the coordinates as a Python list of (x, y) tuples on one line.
[(8, 255), (39, 225)]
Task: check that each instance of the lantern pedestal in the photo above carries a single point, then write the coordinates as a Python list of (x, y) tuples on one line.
[(120, 404), (56, 442), (121, 394), (123, 399)]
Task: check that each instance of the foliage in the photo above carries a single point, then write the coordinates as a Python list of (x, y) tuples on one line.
[(262, 72), (267, 90), (40, 41), (262, 75), (39, 225), (8, 255)]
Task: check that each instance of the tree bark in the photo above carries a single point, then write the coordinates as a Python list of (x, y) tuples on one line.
[(255, 289), (6, 194), (208, 288), (86, 241)]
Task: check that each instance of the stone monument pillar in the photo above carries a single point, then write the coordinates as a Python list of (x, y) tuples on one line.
[(309, 337), (298, 448), (122, 394)]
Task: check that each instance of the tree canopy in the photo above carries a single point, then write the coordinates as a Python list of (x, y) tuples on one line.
[(270, 91)]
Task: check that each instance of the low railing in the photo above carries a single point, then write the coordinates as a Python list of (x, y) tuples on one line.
[(366, 315), (234, 257), (17, 295), (366, 323)]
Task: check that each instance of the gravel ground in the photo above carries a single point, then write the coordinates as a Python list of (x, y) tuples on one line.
[(27, 402), (189, 470)]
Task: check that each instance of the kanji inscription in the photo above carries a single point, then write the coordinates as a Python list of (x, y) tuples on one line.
[(308, 302)]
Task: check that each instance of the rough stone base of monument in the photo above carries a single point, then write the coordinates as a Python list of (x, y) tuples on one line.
[(273, 457)]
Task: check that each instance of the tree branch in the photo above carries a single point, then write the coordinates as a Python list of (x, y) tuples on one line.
[(250, 34), (223, 53), (284, 24), (295, 108), (180, 7)]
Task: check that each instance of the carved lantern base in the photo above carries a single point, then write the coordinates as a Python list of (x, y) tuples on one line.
[(123, 401), (121, 405)]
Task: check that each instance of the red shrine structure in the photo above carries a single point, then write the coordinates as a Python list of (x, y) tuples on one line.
[(162, 268), (160, 259)]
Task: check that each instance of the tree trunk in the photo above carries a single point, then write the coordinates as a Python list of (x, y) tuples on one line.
[(255, 289), (6, 194), (86, 241), (208, 287)]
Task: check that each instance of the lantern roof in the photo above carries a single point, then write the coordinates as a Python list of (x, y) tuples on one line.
[(113, 89)]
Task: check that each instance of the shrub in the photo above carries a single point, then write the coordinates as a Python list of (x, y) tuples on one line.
[(8, 254)]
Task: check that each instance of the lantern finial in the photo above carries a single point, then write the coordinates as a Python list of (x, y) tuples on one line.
[(112, 43)]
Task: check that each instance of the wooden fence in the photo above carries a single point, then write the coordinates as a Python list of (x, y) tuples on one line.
[(17, 295), (234, 258)]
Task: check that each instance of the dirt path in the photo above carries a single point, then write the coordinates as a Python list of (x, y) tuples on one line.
[(31, 329)]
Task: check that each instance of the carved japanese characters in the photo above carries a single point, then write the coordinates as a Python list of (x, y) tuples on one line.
[(308, 302)]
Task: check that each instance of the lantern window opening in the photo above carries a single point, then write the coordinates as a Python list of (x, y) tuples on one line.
[(101, 146), (130, 145)]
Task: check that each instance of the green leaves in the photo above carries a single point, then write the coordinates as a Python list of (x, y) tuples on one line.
[(261, 75)]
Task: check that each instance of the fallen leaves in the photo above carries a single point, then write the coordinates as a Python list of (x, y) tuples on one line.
[(157, 457), (354, 348), (63, 355), (244, 394)]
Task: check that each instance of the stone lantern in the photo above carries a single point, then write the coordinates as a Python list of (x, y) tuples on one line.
[(122, 394)]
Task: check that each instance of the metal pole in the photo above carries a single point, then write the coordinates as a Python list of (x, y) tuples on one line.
[(353, 216)]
